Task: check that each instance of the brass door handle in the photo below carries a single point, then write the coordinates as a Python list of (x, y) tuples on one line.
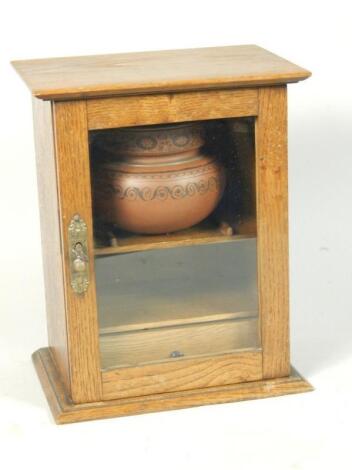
[(79, 262)]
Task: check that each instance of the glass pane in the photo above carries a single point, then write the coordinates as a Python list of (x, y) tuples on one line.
[(175, 241)]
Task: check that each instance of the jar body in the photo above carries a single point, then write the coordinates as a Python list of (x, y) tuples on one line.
[(157, 179)]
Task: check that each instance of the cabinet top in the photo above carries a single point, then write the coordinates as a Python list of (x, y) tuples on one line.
[(156, 71)]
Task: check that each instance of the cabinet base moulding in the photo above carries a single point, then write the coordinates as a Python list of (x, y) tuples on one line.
[(64, 411)]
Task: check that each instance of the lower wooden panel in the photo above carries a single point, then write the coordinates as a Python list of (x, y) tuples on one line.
[(183, 374), (64, 411)]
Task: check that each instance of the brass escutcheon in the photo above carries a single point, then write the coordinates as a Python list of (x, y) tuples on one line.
[(78, 254)]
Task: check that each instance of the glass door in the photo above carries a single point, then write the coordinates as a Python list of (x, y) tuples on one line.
[(174, 216)]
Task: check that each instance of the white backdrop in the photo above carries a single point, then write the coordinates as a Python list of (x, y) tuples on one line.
[(309, 431)]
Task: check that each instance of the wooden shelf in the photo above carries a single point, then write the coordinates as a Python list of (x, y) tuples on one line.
[(198, 337), (136, 324), (202, 234)]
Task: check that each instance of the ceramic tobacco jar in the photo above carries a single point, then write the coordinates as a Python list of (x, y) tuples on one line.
[(155, 179)]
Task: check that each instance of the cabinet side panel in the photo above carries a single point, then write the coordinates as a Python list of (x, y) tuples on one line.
[(73, 166), (272, 213), (50, 234)]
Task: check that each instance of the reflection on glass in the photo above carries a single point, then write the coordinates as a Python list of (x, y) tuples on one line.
[(175, 241)]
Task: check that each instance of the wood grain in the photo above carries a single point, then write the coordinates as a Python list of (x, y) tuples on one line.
[(71, 136), (173, 107), (272, 212), (50, 234), (189, 237), (156, 71), (182, 374), (158, 343), (64, 411), (100, 92)]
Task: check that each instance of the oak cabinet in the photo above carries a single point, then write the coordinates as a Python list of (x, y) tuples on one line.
[(143, 322)]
